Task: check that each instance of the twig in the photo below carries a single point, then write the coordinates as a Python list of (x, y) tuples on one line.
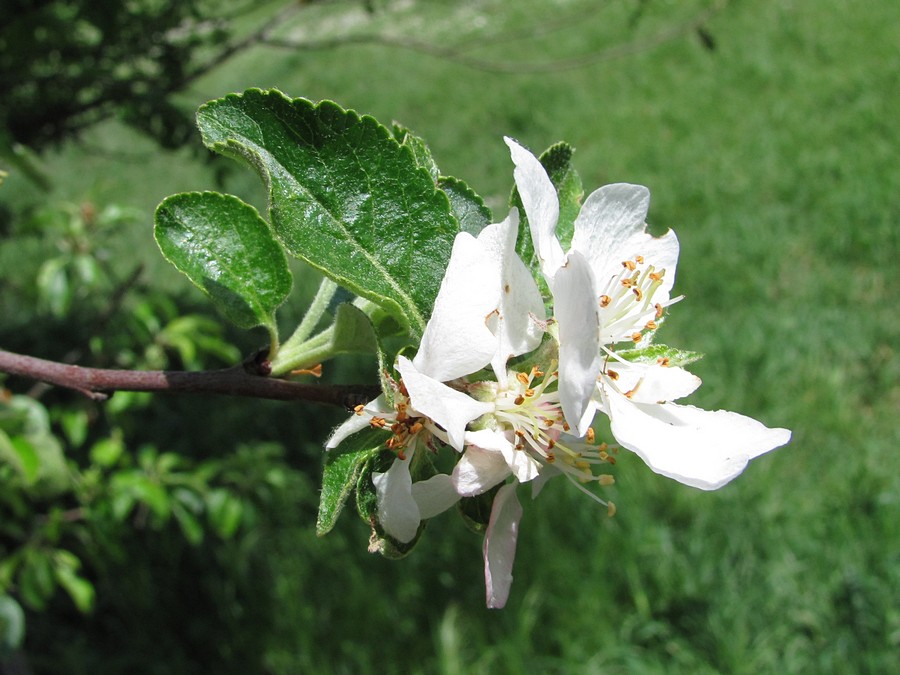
[(245, 380), (456, 54)]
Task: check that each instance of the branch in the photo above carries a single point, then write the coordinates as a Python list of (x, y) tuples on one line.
[(457, 54), (245, 380)]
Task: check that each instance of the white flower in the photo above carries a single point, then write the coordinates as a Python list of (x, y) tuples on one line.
[(612, 287), (488, 310)]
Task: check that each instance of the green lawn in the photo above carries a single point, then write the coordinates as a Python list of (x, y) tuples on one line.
[(774, 158)]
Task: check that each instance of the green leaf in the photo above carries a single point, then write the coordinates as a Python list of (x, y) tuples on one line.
[(190, 526), (655, 353), (225, 512), (79, 589), (21, 455), (106, 451), (468, 207), (343, 467), (12, 625), (228, 251), (36, 583), (344, 196), (557, 161), (420, 150)]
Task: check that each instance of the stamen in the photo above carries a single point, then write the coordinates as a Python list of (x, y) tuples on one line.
[(523, 378), (359, 409), (629, 264), (605, 300)]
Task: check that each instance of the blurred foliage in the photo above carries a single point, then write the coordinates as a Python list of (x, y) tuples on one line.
[(66, 64)]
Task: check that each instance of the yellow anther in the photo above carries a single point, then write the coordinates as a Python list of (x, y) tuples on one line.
[(416, 428), (639, 259), (520, 433), (629, 264), (358, 409), (630, 392), (659, 310), (549, 422), (663, 361), (590, 435), (610, 509), (378, 423), (551, 444), (606, 480), (636, 337), (566, 427), (551, 458), (535, 372), (650, 325), (657, 276), (605, 300), (529, 393), (519, 400), (638, 293), (522, 377), (627, 283), (613, 375)]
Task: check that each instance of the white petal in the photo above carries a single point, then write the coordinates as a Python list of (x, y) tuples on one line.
[(359, 422), (479, 470), (450, 408), (610, 229), (653, 383), (520, 307), (522, 465), (500, 545), (398, 512), (457, 340), (547, 472), (541, 206), (579, 340), (701, 448), (435, 495)]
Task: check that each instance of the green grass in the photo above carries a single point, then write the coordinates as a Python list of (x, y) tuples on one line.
[(774, 159)]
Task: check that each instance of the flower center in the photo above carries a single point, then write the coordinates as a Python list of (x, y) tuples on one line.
[(530, 408), (629, 308)]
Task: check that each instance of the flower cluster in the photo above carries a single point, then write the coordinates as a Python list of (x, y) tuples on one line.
[(527, 422)]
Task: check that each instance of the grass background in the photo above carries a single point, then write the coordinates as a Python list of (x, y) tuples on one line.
[(774, 158)]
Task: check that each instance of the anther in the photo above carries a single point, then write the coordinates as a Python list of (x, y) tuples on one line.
[(378, 423), (610, 509), (519, 400), (605, 300), (636, 337), (606, 480), (650, 325), (523, 378), (629, 264), (590, 435), (638, 293), (613, 375), (639, 259), (416, 428), (659, 310), (359, 409), (663, 361), (529, 393)]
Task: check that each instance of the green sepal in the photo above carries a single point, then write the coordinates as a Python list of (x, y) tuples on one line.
[(654, 353), (476, 511), (344, 465), (228, 251), (468, 207), (344, 196)]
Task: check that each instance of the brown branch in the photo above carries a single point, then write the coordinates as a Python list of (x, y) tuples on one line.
[(244, 380)]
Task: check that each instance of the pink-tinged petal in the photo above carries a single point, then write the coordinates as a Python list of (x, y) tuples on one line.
[(514, 323), (541, 206), (500, 546), (548, 472), (457, 340), (435, 495), (652, 383), (478, 470), (450, 408), (398, 512), (356, 422), (701, 448), (579, 340), (522, 465)]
